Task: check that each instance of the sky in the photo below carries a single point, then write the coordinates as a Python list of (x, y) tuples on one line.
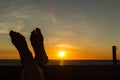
[(83, 29)]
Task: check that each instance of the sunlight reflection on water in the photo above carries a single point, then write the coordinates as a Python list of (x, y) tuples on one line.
[(61, 62)]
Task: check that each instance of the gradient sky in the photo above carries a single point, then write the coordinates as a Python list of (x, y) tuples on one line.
[(84, 29)]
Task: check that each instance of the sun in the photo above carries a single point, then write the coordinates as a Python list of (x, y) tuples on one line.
[(61, 54)]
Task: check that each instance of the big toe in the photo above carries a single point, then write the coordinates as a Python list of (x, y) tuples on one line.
[(11, 33), (38, 30), (39, 34)]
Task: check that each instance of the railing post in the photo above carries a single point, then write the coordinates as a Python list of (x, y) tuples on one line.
[(114, 55)]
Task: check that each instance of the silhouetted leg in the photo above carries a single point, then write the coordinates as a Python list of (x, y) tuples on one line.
[(31, 70), (38, 46), (20, 43)]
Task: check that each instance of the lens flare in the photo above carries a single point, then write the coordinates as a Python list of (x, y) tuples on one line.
[(51, 7)]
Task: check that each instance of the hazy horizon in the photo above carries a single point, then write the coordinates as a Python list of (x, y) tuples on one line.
[(63, 62)]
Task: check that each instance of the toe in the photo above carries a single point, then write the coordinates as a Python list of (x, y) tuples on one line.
[(11, 33), (38, 30), (39, 34), (33, 35)]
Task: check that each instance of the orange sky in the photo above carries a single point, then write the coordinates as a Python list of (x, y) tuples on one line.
[(84, 29), (52, 52)]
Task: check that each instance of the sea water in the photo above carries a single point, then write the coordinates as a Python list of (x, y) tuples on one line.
[(63, 62)]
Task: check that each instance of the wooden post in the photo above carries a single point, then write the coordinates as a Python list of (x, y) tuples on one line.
[(114, 55)]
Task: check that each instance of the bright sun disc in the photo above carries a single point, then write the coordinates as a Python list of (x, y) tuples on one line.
[(61, 54)]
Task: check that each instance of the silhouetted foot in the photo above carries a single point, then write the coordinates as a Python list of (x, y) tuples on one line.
[(38, 46), (20, 43)]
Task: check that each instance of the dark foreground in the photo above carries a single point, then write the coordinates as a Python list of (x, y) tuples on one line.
[(84, 72)]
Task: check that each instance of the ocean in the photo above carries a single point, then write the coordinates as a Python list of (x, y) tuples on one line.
[(63, 62), (11, 70)]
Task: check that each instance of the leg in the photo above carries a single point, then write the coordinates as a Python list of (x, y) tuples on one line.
[(20, 43), (38, 46), (31, 70)]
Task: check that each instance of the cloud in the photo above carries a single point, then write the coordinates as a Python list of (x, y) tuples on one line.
[(3, 32), (5, 28), (21, 17)]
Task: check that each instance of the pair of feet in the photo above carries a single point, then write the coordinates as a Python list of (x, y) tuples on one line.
[(36, 39)]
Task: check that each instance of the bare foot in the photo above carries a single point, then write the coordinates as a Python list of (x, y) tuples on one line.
[(38, 46), (20, 43)]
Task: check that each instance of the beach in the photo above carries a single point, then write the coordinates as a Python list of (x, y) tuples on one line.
[(66, 72), (80, 39)]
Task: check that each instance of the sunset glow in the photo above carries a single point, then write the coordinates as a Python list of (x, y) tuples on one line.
[(87, 30), (61, 54)]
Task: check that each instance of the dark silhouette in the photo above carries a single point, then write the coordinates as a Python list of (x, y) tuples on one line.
[(38, 46), (31, 69), (114, 55)]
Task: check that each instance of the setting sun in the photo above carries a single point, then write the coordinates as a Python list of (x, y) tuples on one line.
[(61, 54)]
